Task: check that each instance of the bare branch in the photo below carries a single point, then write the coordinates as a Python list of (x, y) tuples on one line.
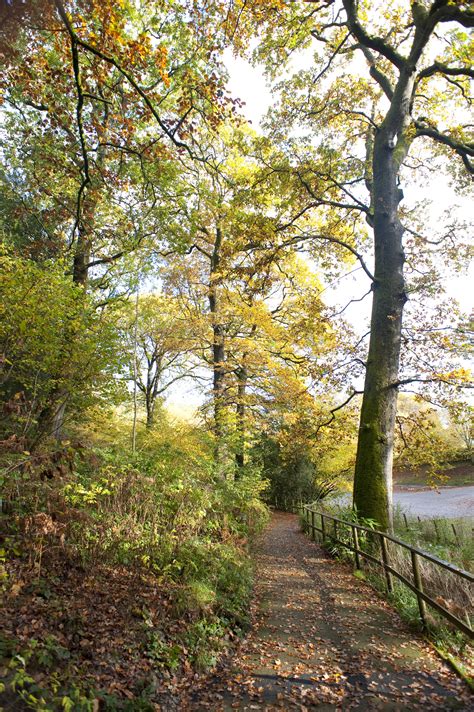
[(464, 150), (336, 241), (352, 301), (440, 68), (333, 411), (445, 11), (382, 80), (378, 44), (331, 58), (416, 379)]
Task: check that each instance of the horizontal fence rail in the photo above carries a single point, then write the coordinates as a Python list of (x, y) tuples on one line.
[(329, 527)]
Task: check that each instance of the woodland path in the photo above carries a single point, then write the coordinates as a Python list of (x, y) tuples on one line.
[(324, 640)]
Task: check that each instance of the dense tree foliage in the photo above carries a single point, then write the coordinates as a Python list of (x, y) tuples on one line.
[(374, 98)]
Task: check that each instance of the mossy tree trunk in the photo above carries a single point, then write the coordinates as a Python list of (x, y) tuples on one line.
[(373, 469), (395, 69)]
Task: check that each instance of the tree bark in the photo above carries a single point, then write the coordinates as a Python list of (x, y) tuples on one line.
[(373, 472), (150, 414), (151, 388), (218, 355), (80, 268), (373, 469), (242, 377)]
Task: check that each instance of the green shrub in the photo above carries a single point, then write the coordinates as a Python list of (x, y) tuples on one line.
[(162, 512)]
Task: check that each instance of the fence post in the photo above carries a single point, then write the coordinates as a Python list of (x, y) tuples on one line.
[(418, 585), (386, 563), (355, 536), (406, 522)]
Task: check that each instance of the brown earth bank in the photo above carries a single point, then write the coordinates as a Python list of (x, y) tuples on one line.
[(95, 629), (454, 474), (324, 640)]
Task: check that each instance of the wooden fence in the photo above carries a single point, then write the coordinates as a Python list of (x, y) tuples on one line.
[(329, 527)]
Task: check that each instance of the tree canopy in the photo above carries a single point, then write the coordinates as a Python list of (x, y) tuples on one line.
[(171, 242)]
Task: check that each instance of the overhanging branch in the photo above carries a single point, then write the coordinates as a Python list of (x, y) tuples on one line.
[(440, 68), (464, 150), (375, 43), (78, 42), (416, 379), (351, 249), (333, 411)]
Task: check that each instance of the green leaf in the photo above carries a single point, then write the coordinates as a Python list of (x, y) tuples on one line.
[(67, 704)]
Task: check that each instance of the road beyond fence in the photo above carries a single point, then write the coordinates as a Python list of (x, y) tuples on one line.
[(348, 534)]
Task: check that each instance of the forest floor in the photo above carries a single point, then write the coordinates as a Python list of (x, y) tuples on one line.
[(324, 640)]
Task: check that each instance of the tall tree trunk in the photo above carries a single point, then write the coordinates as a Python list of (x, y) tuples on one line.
[(373, 469), (243, 377), (150, 417), (82, 253), (218, 355), (151, 395), (135, 369), (241, 415), (153, 379), (51, 418)]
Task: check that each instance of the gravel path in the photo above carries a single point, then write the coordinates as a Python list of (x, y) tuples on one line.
[(324, 640)]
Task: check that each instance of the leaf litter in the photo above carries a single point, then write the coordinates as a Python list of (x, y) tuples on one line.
[(323, 640)]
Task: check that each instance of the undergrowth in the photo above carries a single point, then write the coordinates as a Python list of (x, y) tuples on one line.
[(156, 535)]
